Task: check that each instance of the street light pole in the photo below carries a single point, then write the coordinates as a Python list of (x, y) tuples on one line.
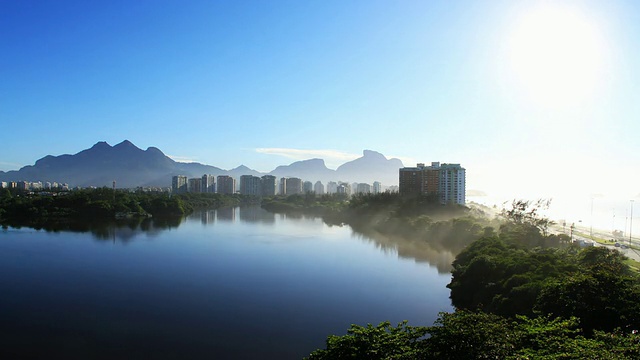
[(591, 226), (630, 222), (573, 225)]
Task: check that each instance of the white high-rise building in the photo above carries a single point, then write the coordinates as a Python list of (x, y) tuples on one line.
[(318, 188), (452, 184), (377, 187), (332, 187)]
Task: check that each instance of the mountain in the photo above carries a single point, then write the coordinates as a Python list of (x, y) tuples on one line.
[(242, 170), (311, 170), (101, 164), (371, 163), (131, 167)]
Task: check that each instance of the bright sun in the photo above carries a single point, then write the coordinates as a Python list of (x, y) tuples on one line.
[(556, 55)]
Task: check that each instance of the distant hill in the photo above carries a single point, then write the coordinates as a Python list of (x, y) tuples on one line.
[(371, 162), (311, 170), (131, 166)]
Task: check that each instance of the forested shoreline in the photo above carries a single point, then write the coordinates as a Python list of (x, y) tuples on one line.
[(518, 291), (39, 209)]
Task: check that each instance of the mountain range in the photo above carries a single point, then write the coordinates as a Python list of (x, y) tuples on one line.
[(131, 167)]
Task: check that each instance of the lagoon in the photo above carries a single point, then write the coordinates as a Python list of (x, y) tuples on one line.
[(239, 283)]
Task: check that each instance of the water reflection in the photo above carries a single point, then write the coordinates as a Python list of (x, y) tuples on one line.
[(128, 230), (437, 254), (255, 214), (415, 249), (226, 214), (201, 289), (208, 217)]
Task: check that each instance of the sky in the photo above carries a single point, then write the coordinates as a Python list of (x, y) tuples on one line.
[(534, 98)]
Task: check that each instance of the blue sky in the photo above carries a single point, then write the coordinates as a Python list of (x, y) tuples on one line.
[(534, 98)]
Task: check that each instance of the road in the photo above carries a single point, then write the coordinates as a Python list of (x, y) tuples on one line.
[(630, 253)]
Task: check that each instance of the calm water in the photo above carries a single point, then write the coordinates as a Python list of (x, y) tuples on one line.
[(233, 283)]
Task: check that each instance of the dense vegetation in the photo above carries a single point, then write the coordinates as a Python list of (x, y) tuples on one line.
[(519, 293), (36, 209), (478, 335)]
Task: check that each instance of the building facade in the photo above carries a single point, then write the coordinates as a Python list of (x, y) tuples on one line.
[(293, 186), (318, 188), (250, 185), (446, 181), (179, 184), (377, 187), (226, 185), (268, 185), (332, 187), (452, 184), (208, 183), (195, 185), (363, 188), (307, 187)]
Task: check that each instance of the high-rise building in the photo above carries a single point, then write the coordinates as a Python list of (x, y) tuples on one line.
[(195, 185), (318, 188), (452, 184), (293, 186), (226, 185), (363, 188), (208, 183), (250, 185), (446, 181), (179, 184), (332, 187), (283, 186), (268, 185), (420, 180), (377, 187), (344, 189), (23, 185), (307, 187)]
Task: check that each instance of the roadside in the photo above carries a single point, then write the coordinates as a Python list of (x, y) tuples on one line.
[(586, 237)]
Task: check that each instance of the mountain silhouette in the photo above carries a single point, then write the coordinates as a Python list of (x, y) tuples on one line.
[(131, 167), (371, 162), (311, 170)]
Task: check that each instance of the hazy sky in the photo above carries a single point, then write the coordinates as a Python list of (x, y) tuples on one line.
[(533, 98)]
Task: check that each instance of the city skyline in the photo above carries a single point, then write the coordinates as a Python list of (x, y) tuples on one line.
[(536, 99)]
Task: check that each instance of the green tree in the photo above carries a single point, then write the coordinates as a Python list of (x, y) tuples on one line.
[(527, 213), (602, 299), (375, 342)]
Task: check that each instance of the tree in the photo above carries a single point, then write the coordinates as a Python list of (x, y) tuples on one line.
[(375, 342), (603, 295), (527, 213)]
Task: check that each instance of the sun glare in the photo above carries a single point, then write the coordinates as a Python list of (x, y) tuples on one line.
[(556, 56)]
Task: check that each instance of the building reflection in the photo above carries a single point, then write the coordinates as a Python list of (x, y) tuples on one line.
[(208, 217), (227, 214), (255, 214)]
